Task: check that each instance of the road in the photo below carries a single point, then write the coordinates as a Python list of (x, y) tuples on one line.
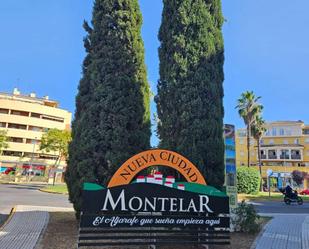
[(280, 207), (25, 194), (19, 194)]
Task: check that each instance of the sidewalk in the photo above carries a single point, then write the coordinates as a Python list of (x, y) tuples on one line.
[(285, 231), (25, 226)]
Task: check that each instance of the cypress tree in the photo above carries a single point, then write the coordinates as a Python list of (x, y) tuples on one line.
[(190, 88), (112, 117)]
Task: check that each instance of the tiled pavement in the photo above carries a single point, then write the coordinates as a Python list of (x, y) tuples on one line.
[(285, 231), (25, 226)]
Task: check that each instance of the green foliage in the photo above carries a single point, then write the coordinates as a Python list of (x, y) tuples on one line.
[(190, 90), (112, 118), (245, 218), (57, 141), (298, 177), (248, 180), (3, 140), (249, 109), (258, 127)]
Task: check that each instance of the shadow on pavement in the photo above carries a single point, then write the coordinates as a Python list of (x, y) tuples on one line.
[(25, 186), (3, 218)]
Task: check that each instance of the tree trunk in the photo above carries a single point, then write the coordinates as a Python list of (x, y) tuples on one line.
[(260, 163), (55, 167), (248, 144)]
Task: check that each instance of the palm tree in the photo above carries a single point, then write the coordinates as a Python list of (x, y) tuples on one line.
[(258, 129), (248, 108)]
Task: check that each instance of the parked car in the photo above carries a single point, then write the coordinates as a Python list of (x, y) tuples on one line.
[(305, 192), (9, 171)]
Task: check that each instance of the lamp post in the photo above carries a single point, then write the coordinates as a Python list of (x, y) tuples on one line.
[(32, 155)]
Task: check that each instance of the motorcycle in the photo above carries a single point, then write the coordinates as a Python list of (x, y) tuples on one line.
[(293, 197)]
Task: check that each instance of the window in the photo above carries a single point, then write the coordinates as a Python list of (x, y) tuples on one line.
[(32, 141), (261, 141), (35, 128), (48, 157), (2, 124), (306, 131), (52, 118), (281, 132), (271, 141), (20, 113), (285, 154), (17, 126), (307, 140), (16, 139), (295, 154), (263, 154), (285, 141), (12, 153), (296, 141), (242, 133), (241, 141), (35, 115), (4, 111), (29, 154), (241, 153), (272, 154), (274, 132)]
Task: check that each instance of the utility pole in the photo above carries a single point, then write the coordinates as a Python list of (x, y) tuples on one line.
[(32, 156)]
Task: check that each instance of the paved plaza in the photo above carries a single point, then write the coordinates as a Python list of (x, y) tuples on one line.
[(284, 231), (25, 226)]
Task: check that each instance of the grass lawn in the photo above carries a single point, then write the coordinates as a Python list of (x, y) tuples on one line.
[(264, 196), (57, 189), (62, 232)]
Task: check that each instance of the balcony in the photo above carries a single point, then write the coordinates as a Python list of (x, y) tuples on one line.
[(284, 157), (296, 157), (272, 156)]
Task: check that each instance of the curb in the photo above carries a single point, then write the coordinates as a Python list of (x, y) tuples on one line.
[(254, 244), (13, 210), (51, 192)]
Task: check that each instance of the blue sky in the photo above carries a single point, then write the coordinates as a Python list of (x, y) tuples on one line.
[(266, 49)]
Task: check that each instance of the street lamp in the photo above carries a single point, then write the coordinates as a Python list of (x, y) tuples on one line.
[(32, 156)]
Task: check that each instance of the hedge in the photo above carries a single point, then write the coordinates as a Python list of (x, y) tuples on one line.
[(248, 180)]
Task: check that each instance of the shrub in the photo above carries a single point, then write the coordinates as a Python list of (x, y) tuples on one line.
[(248, 180), (245, 218)]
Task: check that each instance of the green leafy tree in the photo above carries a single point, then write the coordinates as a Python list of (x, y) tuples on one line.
[(249, 108), (56, 141), (257, 131), (190, 91), (3, 140), (112, 118)]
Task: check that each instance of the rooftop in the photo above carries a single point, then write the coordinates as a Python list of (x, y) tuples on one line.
[(31, 98)]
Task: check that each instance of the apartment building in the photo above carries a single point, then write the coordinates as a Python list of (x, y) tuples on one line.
[(26, 118), (284, 148)]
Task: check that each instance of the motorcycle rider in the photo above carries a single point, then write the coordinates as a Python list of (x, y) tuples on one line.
[(289, 192)]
